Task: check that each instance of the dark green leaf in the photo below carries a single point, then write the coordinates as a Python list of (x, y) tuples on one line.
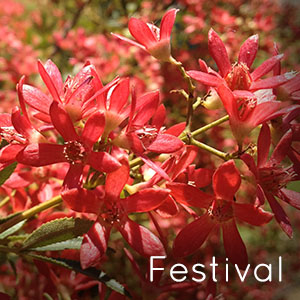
[(12, 229), (57, 231), (90, 272), (6, 172)]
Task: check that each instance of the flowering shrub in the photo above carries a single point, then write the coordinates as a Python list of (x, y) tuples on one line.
[(147, 161)]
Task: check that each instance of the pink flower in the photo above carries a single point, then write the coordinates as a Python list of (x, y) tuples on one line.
[(247, 110), (113, 213), (74, 94), (272, 178), (238, 75), (221, 212), (152, 39), (76, 150)]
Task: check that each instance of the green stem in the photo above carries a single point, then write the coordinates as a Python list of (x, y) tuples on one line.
[(223, 155), (4, 201), (31, 212), (185, 137), (191, 89), (198, 131)]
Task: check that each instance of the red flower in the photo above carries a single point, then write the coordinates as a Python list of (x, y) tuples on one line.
[(142, 135), (74, 94), (221, 211), (113, 211), (271, 177), (247, 110), (76, 150), (238, 76), (152, 39)]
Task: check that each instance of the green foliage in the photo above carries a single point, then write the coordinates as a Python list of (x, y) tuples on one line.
[(6, 172), (57, 231), (90, 272)]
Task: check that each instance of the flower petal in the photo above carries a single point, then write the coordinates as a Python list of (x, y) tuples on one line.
[(55, 76), (266, 67), (189, 195), (141, 239), (103, 162), (282, 148), (48, 82), (205, 78), (218, 52), (131, 42), (168, 208), (94, 245), (249, 161), (82, 200), (159, 117), (36, 99), (226, 180), (234, 245), (37, 155), (116, 180), (119, 96), (141, 32), (280, 215), (21, 123), (191, 237), (165, 143), (271, 82), (253, 215), (62, 122), (154, 166), (9, 152), (145, 200), (248, 50), (93, 129), (176, 129), (263, 145), (229, 101), (262, 113), (73, 178), (167, 23), (291, 197), (148, 109)]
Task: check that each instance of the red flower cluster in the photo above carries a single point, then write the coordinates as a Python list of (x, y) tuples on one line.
[(106, 151)]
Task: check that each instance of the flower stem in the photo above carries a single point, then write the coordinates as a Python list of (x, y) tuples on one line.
[(31, 212), (223, 155), (190, 93), (198, 131)]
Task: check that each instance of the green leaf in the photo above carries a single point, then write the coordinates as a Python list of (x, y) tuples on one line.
[(12, 230), (90, 272), (7, 218), (57, 231), (69, 244), (6, 172)]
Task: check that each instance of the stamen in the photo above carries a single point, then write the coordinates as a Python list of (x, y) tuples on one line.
[(74, 152)]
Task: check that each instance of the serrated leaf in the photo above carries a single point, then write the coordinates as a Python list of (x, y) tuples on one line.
[(12, 230), (69, 244), (90, 272), (6, 172), (57, 231)]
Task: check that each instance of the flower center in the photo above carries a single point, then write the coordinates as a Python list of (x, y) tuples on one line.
[(245, 106), (220, 210), (74, 152), (239, 77), (146, 135), (112, 214), (274, 178)]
